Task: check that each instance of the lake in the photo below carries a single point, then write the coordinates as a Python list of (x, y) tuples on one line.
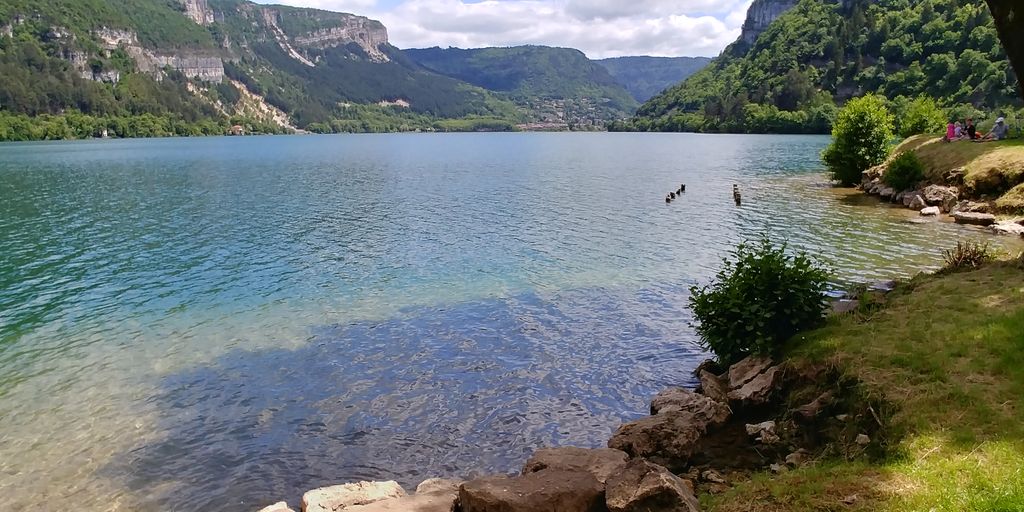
[(222, 323)]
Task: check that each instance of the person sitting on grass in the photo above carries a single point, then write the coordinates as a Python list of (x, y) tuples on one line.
[(972, 131), (999, 131), (950, 133), (958, 131)]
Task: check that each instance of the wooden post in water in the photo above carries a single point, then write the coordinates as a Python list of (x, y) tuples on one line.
[(682, 188), (736, 195)]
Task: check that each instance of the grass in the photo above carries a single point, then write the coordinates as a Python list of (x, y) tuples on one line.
[(991, 168), (948, 352)]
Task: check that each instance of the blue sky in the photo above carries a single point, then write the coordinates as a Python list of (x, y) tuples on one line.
[(601, 28)]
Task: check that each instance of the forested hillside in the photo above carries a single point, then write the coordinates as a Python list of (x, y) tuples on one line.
[(162, 67), (553, 84), (644, 77), (822, 52)]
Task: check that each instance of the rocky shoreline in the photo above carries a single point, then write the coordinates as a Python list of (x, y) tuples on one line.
[(753, 416), (935, 200)]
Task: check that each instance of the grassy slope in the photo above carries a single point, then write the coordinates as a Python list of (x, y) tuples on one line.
[(991, 168), (948, 351)]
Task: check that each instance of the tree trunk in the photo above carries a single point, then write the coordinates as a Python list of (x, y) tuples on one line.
[(1009, 16)]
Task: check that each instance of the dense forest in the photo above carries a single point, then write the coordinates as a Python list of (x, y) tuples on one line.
[(822, 53)]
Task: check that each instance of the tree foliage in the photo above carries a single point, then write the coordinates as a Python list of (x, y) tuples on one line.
[(821, 52), (861, 137), (760, 298)]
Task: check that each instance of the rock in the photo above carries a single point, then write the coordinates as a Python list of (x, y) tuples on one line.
[(714, 477), (886, 192), (863, 440), (427, 502), (971, 207), (883, 286), (977, 219), (1021, 222), (602, 463), (813, 409), (713, 387), (673, 435), (850, 500), (844, 306), (704, 408), (645, 487), (899, 197), (339, 497), (778, 468), (930, 211), (938, 195), (438, 485), (549, 490), (763, 432), (277, 507), (917, 203), (1007, 228), (745, 370), (796, 458), (759, 390)]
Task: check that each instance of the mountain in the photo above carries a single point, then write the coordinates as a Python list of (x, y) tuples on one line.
[(796, 61), (644, 77), (554, 85), (145, 67)]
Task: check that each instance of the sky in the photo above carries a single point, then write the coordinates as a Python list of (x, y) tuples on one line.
[(600, 28)]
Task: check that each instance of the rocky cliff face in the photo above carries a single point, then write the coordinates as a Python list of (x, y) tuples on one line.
[(193, 64), (368, 34), (198, 11), (761, 14)]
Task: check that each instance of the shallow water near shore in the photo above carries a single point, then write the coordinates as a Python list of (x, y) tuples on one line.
[(222, 323)]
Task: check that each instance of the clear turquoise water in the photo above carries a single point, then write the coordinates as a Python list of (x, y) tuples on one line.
[(218, 324)]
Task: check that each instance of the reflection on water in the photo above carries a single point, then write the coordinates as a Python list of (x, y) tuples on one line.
[(218, 322)]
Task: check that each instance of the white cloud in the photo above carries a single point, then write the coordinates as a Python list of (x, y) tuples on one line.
[(600, 28)]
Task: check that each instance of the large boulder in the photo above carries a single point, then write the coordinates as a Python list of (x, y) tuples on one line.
[(917, 203), (938, 195), (713, 387), (602, 463), (340, 497), (886, 192), (549, 490), (704, 408), (646, 487), (670, 436), (977, 219)]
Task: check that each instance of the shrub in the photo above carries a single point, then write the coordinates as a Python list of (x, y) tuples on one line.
[(904, 172), (922, 116), (967, 256), (758, 300), (861, 137)]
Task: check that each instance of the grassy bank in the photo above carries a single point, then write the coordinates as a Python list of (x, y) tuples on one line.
[(991, 170), (948, 353)]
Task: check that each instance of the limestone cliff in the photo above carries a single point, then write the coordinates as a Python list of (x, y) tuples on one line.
[(332, 30), (761, 14), (368, 34), (198, 11), (202, 65)]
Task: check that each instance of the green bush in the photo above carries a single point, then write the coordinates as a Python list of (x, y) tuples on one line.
[(904, 172), (861, 137), (921, 116), (758, 300)]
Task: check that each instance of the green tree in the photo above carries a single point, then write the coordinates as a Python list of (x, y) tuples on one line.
[(922, 116), (861, 137)]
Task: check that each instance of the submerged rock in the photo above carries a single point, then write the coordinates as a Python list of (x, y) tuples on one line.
[(643, 487), (706, 409), (1007, 228), (548, 490), (338, 497), (977, 219), (602, 462)]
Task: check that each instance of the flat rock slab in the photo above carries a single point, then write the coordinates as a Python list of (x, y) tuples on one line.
[(277, 507), (745, 370), (646, 487), (1007, 228), (760, 389), (976, 219), (931, 211), (549, 490), (433, 485), (602, 462), (713, 387), (428, 502), (339, 497), (704, 408)]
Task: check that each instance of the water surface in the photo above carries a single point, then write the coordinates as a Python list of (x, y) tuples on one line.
[(220, 323)]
